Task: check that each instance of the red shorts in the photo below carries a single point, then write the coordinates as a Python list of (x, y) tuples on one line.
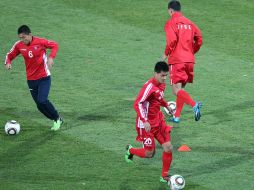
[(181, 73), (160, 133)]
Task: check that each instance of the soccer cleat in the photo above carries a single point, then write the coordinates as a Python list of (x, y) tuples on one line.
[(165, 179), (197, 111), (128, 156), (57, 124), (174, 119)]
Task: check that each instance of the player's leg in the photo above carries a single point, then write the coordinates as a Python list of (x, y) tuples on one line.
[(163, 137), (177, 76), (131, 151), (147, 151), (184, 97), (33, 88), (43, 102), (189, 67), (166, 161), (181, 74), (179, 102)]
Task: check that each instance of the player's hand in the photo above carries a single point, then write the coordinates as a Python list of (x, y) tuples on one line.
[(170, 110), (147, 126), (7, 66), (50, 63)]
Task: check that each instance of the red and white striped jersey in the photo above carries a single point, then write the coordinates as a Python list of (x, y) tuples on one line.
[(34, 56), (148, 102)]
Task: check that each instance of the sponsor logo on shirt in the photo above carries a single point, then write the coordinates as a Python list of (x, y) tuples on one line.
[(36, 47)]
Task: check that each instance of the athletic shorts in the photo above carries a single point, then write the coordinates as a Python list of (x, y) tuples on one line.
[(160, 133), (181, 73)]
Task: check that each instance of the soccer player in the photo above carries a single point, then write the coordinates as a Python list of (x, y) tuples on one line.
[(151, 121), (38, 65), (183, 40)]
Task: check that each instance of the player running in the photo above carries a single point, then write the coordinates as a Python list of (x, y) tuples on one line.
[(38, 65), (150, 120), (183, 40)]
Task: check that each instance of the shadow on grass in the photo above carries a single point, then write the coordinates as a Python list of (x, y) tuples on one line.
[(95, 117)]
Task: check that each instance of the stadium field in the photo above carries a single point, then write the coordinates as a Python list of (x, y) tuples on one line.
[(107, 51)]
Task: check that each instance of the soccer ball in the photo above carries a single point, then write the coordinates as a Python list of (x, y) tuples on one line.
[(12, 127), (172, 105), (176, 182)]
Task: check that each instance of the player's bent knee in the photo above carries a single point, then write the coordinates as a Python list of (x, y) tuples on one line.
[(176, 88), (168, 147), (150, 153), (41, 102)]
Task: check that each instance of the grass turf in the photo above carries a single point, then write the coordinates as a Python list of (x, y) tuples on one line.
[(107, 51)]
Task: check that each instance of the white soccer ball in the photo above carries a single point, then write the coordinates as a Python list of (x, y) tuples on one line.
[(176, 182), (172, 105), (12, 127)]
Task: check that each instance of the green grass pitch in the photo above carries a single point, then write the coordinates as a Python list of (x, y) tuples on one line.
[(107, 51)]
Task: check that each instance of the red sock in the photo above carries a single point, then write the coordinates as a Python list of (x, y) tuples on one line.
[(179, 106), (166, 162), (140, 152), (186, 98)]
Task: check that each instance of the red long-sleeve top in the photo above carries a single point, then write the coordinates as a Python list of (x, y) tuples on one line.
[(183, 39), (34, 55)]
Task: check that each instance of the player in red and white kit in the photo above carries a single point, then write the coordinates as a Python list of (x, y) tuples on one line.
[(183, 40), (38, 65), (150, 120)]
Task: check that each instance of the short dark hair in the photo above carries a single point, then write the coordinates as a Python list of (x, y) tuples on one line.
[(161, 66), (175, 5), (24, 29)]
